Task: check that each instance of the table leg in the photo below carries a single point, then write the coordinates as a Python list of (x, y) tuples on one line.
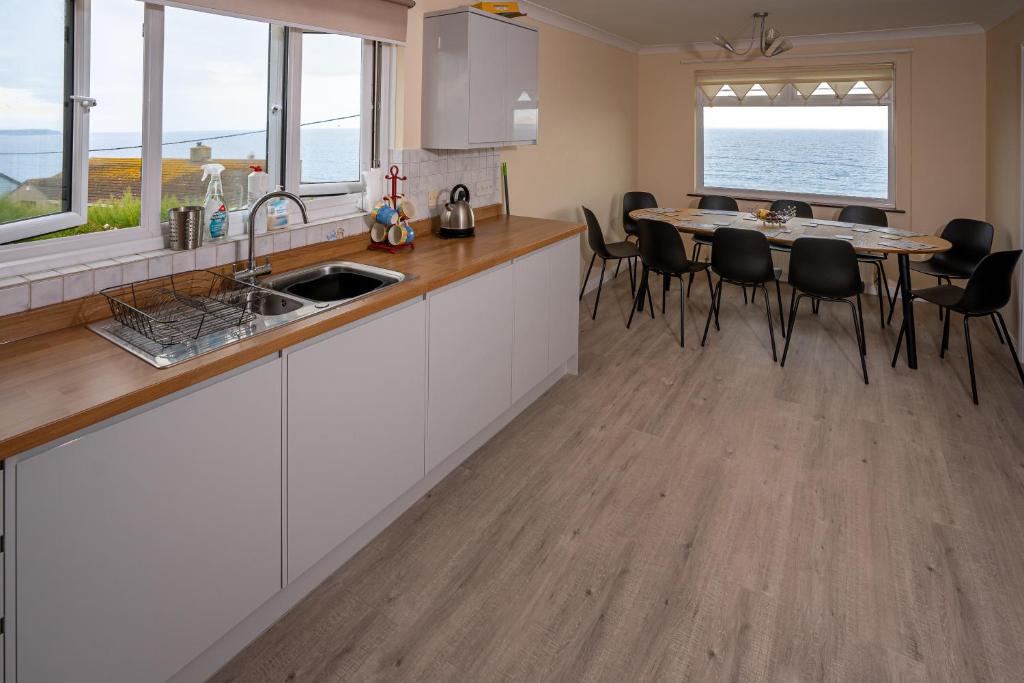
[(908, 310)]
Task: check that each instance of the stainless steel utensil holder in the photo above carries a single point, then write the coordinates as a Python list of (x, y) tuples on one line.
[(186, 227)]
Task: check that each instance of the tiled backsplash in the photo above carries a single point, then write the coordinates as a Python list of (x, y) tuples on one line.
[(426, 170)]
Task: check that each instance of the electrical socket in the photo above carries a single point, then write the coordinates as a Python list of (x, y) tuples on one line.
[(432, 197)]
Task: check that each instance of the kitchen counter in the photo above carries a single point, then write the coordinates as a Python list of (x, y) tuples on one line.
[(57, 383)]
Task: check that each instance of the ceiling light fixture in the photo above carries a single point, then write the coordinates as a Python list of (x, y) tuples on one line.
[(771, 42)]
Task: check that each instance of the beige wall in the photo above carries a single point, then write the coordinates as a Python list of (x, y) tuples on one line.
[(940, 125), (1004, 131), (588, 124)]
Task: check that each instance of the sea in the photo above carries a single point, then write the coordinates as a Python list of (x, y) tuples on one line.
[(328, 154), (847, 163)]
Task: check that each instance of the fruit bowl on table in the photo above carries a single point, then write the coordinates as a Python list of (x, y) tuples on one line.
[(775, 218)]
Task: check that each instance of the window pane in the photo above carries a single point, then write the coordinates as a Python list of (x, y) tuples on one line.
[(329, 136), (834, 150), (115, 124), (215, 103), (33, 137)]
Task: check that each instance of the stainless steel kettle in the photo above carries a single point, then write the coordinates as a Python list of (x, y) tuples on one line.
[(457, 218)]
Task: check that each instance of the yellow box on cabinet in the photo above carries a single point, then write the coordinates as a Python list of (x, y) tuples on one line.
[(507, 9)]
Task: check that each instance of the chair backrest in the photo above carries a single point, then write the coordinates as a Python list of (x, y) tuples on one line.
[(971, 240), (595, 238), (990, 286), (824, 267), (802, 209), (741, 255), (661, 246), (865, 215), (714, 202), (632, 201)]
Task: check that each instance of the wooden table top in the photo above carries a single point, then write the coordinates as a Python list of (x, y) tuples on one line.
[(59, 382), (864, 238)]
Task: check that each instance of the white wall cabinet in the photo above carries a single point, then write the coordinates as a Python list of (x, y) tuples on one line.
[(356, 421), (480, 81), (142, 543), (469, 359)]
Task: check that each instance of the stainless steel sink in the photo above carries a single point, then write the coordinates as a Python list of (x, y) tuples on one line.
[(334, 283)]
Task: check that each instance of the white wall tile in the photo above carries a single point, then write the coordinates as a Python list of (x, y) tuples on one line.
[(298, 237), (78, 283), (135, 271), (206, 257), (46, 291), (228, 253), (183, 261), (14, 298), (109, 276), (160, 266), (282, 241)]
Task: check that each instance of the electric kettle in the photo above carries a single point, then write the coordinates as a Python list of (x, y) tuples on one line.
[(457, 218)]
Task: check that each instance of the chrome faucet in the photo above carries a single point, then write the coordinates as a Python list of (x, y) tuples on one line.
[(253, 271)]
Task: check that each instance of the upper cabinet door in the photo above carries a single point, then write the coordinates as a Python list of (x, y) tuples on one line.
[(523, 90), (488, 113)]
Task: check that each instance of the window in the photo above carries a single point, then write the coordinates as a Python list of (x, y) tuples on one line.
[(126, 100), (214, 104), (35, 116), (329, 135), (812, 140)]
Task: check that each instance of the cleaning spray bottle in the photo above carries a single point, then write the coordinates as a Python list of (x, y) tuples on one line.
[(258, 185), (215, 213)]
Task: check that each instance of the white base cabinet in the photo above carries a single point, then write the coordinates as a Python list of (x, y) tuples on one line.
[(469, 359), (356, 419), (145, 548), (142, 543)]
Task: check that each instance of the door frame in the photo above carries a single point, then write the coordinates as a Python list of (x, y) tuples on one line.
[(1020, 205)]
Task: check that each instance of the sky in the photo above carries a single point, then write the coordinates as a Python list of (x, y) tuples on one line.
[(215, 70), (785, 117)]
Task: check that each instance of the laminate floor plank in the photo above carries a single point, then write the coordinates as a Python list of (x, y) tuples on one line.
[(701, 514)]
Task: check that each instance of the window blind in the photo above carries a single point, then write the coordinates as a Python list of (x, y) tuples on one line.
[(804, 80), (383, 20)]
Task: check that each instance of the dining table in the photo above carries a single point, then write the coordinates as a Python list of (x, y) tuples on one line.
[(865, 239)]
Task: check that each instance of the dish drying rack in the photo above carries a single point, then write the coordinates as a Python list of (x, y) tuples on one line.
[(181, 308)]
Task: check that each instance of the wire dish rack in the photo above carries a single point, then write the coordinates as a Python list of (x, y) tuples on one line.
[(181, 308)]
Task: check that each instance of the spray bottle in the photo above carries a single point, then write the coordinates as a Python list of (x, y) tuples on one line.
[(216, 209), (258, 185)]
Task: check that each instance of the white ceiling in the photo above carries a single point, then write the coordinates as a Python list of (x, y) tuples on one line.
[(683, 22)]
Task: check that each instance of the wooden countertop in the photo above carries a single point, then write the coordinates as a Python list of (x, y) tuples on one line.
[(59, 382)]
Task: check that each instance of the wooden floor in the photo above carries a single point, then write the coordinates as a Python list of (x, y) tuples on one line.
[(703, 514)]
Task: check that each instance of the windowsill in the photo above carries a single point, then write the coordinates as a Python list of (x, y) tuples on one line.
[(810, 199)]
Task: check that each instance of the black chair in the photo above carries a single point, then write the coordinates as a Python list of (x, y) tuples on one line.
[(800, 209), (971, 240), (631, 201), (662, 252), (826, 270), (743, 257), (610, 251), (987, 291), (869, 215), (711, 202)]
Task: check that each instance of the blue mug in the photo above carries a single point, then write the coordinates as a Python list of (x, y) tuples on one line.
[(387, 215)]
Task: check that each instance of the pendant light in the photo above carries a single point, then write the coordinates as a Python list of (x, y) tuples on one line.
[(771, 43)]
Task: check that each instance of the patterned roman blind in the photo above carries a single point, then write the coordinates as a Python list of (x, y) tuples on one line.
[(801, 81)]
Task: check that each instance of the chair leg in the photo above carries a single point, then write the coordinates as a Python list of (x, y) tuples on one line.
[(899, 341), (940, 307), (711, 312), (639, 297), (664, 293), (857, 323), (714, 306), (647, 288), (885, 284), (587, 278), (996, 325), (794, 304), (970, 358), (771, 331), (618, 263), (1013, 351), (696, 255), (682, 313), (744, 296), (814, 306), (881, 298), (945, 336), (632, 277), (860, 317), (600, 284), (892, 301), (778, 296)]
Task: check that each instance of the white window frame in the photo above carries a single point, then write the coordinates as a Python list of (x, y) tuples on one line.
[(326, 199), (284, 88), (789, 97)]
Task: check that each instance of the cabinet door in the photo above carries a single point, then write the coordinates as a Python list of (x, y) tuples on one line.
[(470, 360), (356, 421), (531, 320), (488, 113), (142, 543), (522, 93), (565, 308)]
